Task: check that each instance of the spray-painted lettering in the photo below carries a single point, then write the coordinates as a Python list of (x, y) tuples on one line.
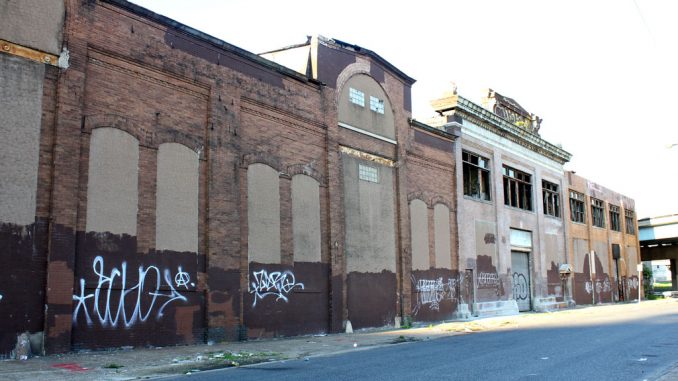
[(632, 283), (488, 280), (430, 292), (521, 289), (111, 311), (276, 283)]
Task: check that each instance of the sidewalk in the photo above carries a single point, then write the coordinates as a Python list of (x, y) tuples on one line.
[(158, 362)]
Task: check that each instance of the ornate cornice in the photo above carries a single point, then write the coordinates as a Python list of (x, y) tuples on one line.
[(478, 115)]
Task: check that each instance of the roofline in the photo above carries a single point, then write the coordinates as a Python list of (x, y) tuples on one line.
[(409, 80), (505, 128), (204, 37), (446, 133)]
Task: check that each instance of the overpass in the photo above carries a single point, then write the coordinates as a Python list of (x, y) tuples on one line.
[(658, 238)]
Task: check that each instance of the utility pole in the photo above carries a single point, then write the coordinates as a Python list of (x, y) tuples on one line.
[(592, 273), (640, 277)]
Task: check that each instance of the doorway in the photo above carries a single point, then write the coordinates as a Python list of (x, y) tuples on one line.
[(520, 263)]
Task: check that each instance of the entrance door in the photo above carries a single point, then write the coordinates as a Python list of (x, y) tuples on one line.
[(521, 279)]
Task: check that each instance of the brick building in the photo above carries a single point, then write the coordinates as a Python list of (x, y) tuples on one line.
[(161, 186), (603, 246), (181, 189)]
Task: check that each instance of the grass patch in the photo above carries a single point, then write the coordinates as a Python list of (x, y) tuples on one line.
[(403, 339), (662, 286)]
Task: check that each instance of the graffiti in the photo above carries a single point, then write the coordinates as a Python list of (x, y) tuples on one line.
[(276, 283), (521, 289), (488, 280), (430, 292), (489, 238), (632, 283), (182, 279), (589, 287), (110, 312), (603, 286)]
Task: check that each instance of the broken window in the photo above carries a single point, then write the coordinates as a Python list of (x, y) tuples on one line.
[(476, 176), (356, 97), (597, 212), (577, 211), (630, 221), (517, 188), (551, 198), (376, 105), (614, 218)]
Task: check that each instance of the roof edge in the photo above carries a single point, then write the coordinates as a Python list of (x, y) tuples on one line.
[(202, 36), (358, 49)]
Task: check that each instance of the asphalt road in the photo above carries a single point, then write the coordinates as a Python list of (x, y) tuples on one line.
[(630, 349)]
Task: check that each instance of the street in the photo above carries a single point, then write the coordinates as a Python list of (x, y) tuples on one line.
[(633, 345)]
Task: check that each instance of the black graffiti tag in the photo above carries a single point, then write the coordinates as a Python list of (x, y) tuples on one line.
[(520, 288)]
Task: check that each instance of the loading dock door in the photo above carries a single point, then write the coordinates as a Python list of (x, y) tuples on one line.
[(521, 279)]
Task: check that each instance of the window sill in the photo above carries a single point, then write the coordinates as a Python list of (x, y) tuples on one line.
[(552, 217), (488, 202), (519, 210)]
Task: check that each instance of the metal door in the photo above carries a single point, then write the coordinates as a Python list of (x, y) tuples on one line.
[(520, 264)]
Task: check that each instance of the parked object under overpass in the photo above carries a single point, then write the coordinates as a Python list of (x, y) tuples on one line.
[(658, 238)]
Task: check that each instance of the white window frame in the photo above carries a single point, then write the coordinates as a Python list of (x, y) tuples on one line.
[(356, 97)]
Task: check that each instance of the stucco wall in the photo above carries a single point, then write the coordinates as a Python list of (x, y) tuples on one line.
[(112, 189), (419, 231), (263, 214), (177, 198), (370, 216), (33, 23), (363, 117), (441, 216), (306, 218), (21, 99)]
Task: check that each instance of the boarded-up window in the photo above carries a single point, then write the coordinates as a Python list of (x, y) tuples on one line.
[(263, 214), (112, 188), (306, 218), (441, 218), (21, 100), (419, 231), (176, 216)]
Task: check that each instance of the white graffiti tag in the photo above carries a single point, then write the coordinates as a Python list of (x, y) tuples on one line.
[(488, 280), (110, 311), (632, 283), (589, 287), (430, 292), (276, 283)]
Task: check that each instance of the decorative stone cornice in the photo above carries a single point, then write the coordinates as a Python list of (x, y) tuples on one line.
[(478, 115)]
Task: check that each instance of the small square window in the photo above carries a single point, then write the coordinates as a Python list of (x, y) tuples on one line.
[(356, 97), (376, 105), (368, 173)]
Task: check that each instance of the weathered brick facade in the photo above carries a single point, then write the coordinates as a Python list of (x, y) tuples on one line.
[(184, 190), (136, 81)]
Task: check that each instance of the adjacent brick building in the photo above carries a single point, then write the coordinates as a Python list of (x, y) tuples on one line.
[(603, 246), (161, 186)]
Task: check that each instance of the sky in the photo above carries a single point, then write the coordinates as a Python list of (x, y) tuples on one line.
[(602, 74)]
